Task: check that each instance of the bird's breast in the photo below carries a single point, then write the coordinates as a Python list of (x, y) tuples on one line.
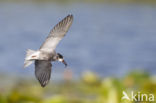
[(45, 56)]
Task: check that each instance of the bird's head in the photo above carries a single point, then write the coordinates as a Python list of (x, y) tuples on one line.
[(60, 59)]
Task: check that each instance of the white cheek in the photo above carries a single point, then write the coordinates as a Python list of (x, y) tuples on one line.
[(60, 60)]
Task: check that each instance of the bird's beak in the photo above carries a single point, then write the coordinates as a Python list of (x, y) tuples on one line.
[(64, 62)]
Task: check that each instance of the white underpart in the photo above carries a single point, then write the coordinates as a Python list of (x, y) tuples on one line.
[(27, 63), (33, 56), (30, 56)]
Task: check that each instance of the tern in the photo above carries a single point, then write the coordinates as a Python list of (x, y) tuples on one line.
[(46, 53)]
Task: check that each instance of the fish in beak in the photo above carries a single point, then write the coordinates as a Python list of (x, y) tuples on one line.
[(63, 61)]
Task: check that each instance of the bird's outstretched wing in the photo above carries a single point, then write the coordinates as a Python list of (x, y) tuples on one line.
[(43, 71), (56, 34)]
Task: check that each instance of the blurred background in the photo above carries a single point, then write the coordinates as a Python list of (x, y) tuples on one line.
[(110, 47)]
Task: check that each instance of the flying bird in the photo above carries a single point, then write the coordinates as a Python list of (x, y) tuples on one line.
[(46, 53)]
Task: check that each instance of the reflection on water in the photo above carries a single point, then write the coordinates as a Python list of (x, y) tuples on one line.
[(108, 39)]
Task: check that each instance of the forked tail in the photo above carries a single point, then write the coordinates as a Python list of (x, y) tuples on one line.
[(30, 56)]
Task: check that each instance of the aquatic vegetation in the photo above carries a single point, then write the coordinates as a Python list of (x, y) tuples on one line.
[(88, 89)]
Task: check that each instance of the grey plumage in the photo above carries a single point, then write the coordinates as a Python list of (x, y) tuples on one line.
[(46, 53), (43, 71), (56, 34)]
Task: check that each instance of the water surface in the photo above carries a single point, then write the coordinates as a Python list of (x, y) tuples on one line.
[(107, 39)]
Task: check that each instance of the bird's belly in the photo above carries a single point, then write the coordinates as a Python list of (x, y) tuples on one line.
[(45, 56)]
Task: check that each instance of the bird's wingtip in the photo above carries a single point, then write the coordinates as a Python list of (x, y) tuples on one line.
[(70, 15), (43, 86), (44, 83)]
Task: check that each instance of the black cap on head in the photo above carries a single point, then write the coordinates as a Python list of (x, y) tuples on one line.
[(59, 55)]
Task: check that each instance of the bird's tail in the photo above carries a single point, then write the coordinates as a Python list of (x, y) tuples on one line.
[(30, 56)]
